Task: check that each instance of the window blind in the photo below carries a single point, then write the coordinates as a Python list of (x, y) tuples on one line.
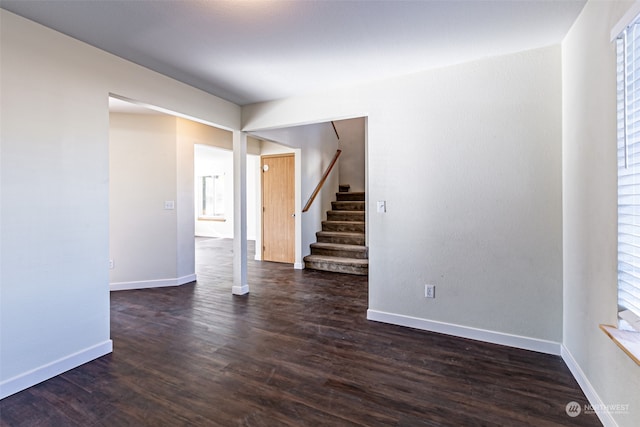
[(628, 135)]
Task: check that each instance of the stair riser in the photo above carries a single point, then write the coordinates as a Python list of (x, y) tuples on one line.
[(348, 206), (343, 240), (343, 197), (327, 266), (352, 227), (361, 254), (345, 216)]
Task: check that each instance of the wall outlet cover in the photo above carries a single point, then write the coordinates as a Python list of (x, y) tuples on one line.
[(429, 291)]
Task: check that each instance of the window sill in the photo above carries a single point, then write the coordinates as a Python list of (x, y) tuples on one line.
[(628, 341), (219, 219)]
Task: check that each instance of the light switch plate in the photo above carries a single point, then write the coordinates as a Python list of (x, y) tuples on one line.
[(382, 206)]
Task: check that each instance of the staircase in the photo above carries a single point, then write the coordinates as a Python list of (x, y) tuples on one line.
[(340, 245)]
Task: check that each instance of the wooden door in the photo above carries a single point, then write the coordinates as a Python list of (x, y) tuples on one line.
[(278, 208)]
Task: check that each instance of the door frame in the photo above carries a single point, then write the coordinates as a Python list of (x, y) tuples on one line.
[(298, 264), (296, 206)]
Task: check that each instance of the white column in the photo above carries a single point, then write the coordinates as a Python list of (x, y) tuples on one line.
[(240, 285)]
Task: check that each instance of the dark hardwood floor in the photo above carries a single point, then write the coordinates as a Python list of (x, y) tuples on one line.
[(297, 351)]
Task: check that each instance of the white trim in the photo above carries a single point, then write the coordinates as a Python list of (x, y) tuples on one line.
[(588, 390), (187, 279), (158, 283), (626, 19), (240, 290), (297, 204), (50, 370), (298, 266), (517, 341)]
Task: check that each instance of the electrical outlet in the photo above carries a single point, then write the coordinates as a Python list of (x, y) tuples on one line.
[(111, 264), (429, 291)]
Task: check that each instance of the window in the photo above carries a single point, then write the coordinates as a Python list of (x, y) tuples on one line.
[(211, 197), (628, 110)]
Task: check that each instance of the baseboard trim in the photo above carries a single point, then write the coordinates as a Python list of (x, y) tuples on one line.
[(589, 391), (187, 279), (298, 266), (50, 370), (240, 289), (159, 283), (517, 341)]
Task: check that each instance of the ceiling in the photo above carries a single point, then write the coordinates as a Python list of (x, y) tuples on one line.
[(248, 51)]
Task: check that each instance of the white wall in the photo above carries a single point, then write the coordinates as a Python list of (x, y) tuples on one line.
[(317, 145), (269, 147), (142, 176), (54, 220), (590, 210), (352, 160), (468, 159), (185, 205)]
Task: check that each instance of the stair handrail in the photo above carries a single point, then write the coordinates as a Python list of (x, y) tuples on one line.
[(335, 130), (322, 180)]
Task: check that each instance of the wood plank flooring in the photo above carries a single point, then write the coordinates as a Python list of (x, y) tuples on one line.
[(297, 351)]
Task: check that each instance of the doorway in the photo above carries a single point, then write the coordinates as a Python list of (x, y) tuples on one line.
[(278, 207), (163, 190)]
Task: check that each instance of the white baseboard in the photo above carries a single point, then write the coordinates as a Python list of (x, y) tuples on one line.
[(159, 283), (517, 341), (50, 370), (298, 266), (594, 400), (240, 290), (187, 279)]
